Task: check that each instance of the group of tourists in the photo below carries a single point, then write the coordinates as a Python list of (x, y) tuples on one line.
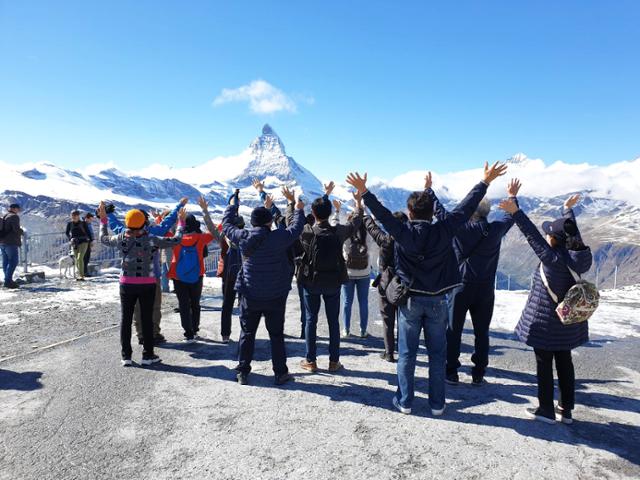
[(434, 266), (80, 234)]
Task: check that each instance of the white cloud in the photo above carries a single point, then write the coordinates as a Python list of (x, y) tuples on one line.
[(262, 97)]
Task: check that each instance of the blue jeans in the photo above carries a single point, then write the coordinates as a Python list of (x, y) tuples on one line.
[(331, 297), (430, 314), (164, 282), (361, 285), (10, 258)]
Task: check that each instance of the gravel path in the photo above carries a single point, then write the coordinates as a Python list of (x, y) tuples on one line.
[(73, 412)]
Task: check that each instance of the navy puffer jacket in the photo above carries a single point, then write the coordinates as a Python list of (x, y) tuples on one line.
[(539, 325), (266, 270)]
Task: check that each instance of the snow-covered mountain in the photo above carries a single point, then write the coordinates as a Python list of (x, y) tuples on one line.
[(609, 215)]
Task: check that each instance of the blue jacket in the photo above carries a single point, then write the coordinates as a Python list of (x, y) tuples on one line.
[(161, 230), (266, 270), (539, 325), (477, 245), (423, 250)]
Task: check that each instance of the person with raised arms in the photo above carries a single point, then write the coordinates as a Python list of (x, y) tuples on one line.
[(426, 271)]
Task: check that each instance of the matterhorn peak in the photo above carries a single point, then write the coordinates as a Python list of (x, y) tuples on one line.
[(267, 130), (268, 143)]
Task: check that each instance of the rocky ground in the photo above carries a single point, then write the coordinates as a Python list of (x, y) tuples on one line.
[(70, 411)]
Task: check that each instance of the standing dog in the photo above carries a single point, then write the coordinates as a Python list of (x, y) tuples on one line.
[(67, 262)]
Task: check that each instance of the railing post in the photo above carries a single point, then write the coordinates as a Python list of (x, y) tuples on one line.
[(25, 260), (615, 278), (509, 283)]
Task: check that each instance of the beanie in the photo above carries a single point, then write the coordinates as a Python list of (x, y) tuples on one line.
[(261, 217), (134, 219)]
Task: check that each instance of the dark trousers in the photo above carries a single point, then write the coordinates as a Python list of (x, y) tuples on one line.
[(388, 312), (228, 299), (250, 313), (478, 300), (87, 259), (312, 298), (129, 296), (566, 379), (302, 314), (189, 295)]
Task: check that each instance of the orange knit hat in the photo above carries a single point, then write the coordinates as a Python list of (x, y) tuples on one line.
[(134, 219)]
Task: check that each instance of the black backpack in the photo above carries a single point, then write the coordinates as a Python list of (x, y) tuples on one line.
[(358, 255), (323, 264), (3, 232)]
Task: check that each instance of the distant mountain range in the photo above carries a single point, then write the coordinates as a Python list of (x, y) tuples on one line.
[(609, 215)]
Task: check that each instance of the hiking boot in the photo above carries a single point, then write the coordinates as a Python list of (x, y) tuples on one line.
[(283, 378), (126, 362), (309, 366), (387, 357), (400, 408), (243, 378), (541, 416), (345, 333), (190, 340), (335, 366), (11, 285), (565, 415), (158, 339), (452, 379), (225, 339), (437, 412), (364, 334), (477, 380), (150, 360)]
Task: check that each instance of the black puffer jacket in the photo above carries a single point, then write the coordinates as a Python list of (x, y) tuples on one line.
[(539, 325)]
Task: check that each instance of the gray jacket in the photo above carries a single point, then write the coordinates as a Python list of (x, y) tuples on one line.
[(13, 232), (138, 252)]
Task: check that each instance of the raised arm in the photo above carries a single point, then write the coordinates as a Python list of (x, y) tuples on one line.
[(568, 212), (213, 230), (335, 216), (291, 201), (233, 233), (170, 220), (294, 230), (348, 229), (382, 238)]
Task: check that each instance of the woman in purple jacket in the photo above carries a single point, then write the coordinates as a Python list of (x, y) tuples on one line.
[(539, 326)]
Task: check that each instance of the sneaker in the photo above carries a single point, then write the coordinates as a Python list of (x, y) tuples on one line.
[(539, 415), (565, 415), (11, 285), (243, 378), (363, 334), (345, 333), (335, 366), (190, 340), (477, 380), (150, 360), (309, 366), (225, 339), (126, 362), (283, 378), (387, 357), (400, 408), (437, 412), (158, 339), (452, 379)]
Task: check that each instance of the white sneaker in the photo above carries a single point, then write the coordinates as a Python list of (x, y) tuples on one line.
[(401, 409), (126, 362), (437, 413), (345, 333), (151, 360)]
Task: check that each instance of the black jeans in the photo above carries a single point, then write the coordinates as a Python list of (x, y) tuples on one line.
[(129, 296), (566, 379), (250, 313), (228, 299), (189, 295), (388, 312), (478, 300)]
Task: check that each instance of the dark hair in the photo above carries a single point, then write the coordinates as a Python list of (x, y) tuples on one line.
[(420, 205), (321, 208), (311, 220), (401, 216), (575, 243), (75, 212)]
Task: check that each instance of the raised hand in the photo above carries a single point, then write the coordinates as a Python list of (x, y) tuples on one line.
[(290, 195), (235, 198), (358, 182), (268, 202), (491, 173), (258, 185), (184, 201), (428, 181), (510, 206), (357, 196), (514, 187), (299, 204), (328, 188), (571, 201), (337, 204), (182, 214), (102, 210), (203, 204)]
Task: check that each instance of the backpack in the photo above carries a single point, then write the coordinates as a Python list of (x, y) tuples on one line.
[(357, 255), (323, 264), (580, 301), (188, 266), (3, 232)]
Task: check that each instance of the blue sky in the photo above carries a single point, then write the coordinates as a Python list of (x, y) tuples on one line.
[(383, 86)]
